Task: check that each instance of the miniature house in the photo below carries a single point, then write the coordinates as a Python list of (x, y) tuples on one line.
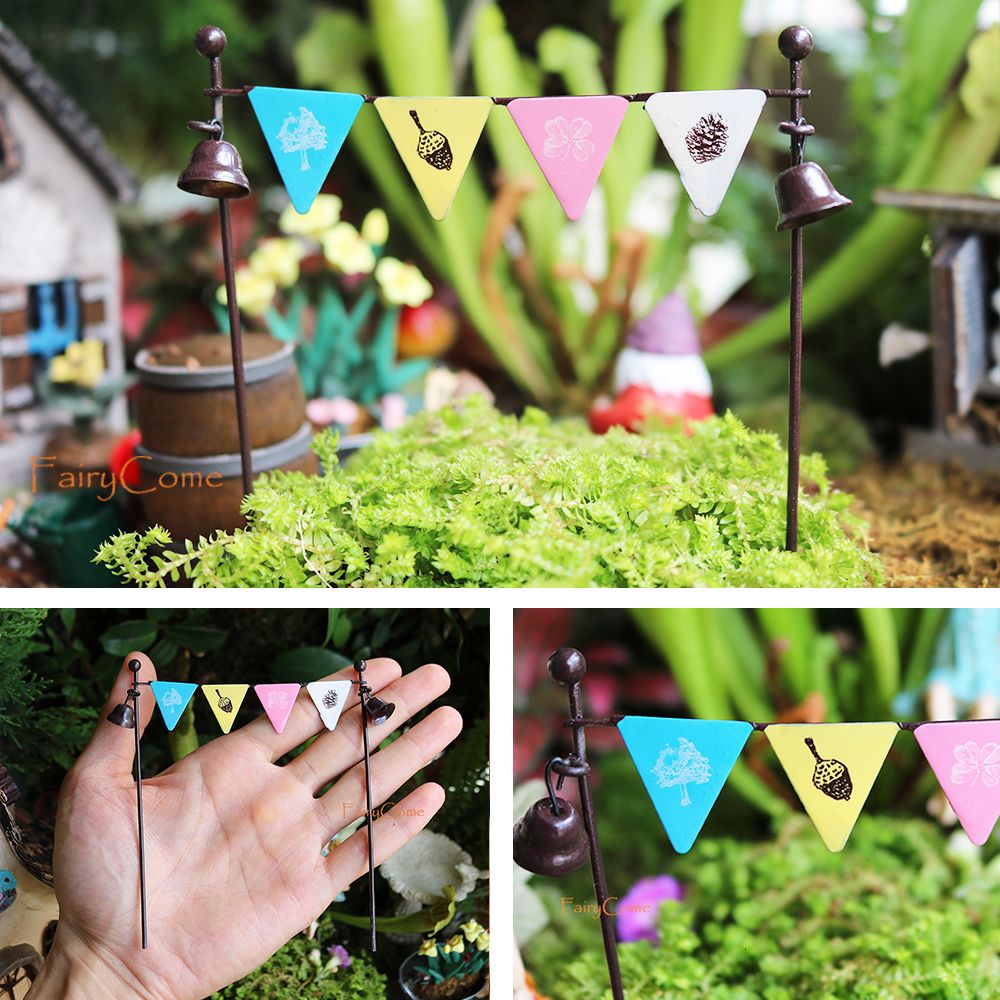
[(965, 300), (60, 255)]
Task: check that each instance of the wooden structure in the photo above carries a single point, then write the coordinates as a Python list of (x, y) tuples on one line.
[(965, 302), (60, 254)]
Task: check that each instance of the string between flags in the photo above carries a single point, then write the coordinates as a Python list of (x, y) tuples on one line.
[(705, 134), (684, 764)]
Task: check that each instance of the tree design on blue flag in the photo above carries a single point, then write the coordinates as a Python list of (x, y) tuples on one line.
[(684, 765), (299, 135)]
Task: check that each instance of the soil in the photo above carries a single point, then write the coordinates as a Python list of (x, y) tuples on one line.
[(18, 567), (933, 525)]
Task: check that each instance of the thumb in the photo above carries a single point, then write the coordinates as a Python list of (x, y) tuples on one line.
[(112, 748)]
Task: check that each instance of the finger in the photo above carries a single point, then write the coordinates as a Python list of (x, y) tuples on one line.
[(304, 720), (334, 752), (391, 767), (394, 828), (112, 748)]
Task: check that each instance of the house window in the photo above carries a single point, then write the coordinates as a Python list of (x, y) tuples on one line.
[(10, 156)]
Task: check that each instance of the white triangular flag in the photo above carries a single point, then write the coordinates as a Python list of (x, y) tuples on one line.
[(329, 698), (706, 132)]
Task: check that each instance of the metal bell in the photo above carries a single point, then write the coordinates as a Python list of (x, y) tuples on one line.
[(378, 710), (550, 839), (215, 171), (124, 715), (805, 194)]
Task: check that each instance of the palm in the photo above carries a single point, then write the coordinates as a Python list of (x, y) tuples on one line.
[(233, 842)]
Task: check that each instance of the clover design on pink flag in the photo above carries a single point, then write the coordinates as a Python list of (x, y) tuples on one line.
[(570, 138), (965, 759)]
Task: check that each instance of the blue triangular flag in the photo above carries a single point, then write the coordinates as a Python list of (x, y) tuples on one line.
[(683, 763), (172, 697), (304, 130)]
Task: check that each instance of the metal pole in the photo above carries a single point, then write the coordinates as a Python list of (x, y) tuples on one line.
[(363, 692), (138, 806), (795, 336), (596, 861)]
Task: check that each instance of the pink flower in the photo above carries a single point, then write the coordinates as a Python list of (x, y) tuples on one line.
[(339, 410), (974, 762), (639, 908)]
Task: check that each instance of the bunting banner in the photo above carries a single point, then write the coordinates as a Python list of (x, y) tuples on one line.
[(173, 698), (225, 701), (570, 138), (304, 130), (278, 700), (329, 698), (965, 758), (706, 133), (435, 138), (832, 768), (683, 763)]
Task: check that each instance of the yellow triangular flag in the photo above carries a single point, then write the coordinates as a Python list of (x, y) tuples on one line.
[(225, 700), (436, 137), (832, 768)]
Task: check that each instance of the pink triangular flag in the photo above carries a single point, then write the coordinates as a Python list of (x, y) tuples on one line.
[(570, 138), (965, 757), (278, 701)]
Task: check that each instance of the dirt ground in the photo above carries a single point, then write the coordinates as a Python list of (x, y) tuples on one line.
[(933, 525)]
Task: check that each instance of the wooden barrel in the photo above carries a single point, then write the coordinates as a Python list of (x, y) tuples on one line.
[(194, 496), (186, 406)]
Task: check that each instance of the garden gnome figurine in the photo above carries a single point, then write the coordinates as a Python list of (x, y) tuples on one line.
[(659, 372)]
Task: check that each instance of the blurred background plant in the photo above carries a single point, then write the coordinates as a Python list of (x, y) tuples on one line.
[(759, 906), (57, 666), (905, 96)]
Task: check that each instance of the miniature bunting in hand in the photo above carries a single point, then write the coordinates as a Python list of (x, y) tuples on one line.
[(965, 757), (278, 701), (173, 698), (225, 701), (683, 763), (329, 698), (706, 132), (304, 130), (435, 137), (570, 137), (832, 768)]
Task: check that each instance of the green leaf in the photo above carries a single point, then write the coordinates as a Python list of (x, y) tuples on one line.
[(307, 663), (135, 634), (197, 638)]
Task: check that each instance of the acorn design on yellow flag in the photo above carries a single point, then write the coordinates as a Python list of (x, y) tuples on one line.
[(832, 768), (435, 138), (225, 701)]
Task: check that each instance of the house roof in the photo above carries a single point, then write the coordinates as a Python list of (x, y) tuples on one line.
[(65, 117), (966, 211)]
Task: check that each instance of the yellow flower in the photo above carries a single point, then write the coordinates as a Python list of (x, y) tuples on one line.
[(402, 284), (277, 259), (254, 292), (346, 251), (82, 364), (455, 943), (472, 930), (375, 228), (483, 942), (321, 217), (428, 947)]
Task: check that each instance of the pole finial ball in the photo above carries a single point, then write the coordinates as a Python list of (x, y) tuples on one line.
[(210, 41), (567, 665), (795, 42)]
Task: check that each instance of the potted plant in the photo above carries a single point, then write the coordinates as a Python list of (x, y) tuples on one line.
[(329, 289), (452, 969)]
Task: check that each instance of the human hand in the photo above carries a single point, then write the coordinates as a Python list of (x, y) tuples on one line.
[(233, 842)]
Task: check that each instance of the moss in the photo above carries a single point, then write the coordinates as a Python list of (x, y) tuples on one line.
[(899, 913), (468, 497)]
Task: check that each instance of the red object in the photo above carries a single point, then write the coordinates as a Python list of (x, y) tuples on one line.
[(637, 403), (426, 331), (123, 450)]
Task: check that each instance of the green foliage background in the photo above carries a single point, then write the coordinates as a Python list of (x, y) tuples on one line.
[(468, 497)]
